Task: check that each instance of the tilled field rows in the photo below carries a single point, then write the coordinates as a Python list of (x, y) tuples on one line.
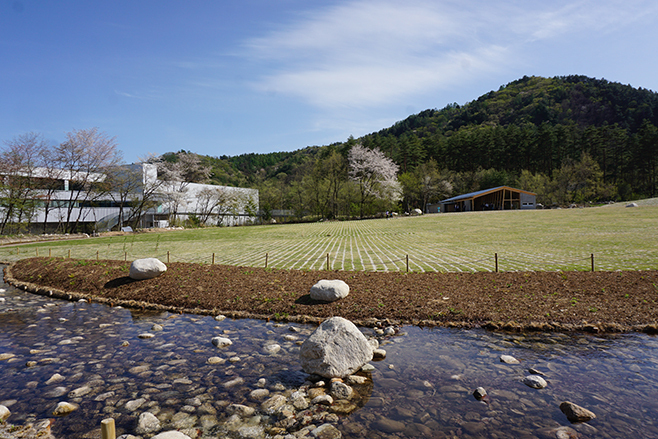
[(374, 245)]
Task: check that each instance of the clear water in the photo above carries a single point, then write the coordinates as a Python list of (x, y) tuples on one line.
[(422, 389)]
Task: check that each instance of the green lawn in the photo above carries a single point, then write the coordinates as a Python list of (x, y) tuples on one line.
[(544, 240)]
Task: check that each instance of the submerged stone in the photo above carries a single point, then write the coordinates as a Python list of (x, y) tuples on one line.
[(576, 413)]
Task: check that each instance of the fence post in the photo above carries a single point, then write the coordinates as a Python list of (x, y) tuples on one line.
[(18, 250), (107, 429), (213, 259), (407, 263), (96, 254), (167, 256), (496, 257), (125, 256), (327, 261), (266, 256), (50, 252), (592, 257), (37, 252), (69, 253)]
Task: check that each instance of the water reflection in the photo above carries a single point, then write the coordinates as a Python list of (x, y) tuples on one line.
[(98, 358)]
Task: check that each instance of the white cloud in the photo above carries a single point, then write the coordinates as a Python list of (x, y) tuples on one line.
[(367, 53), (380, 83), (584, 16)]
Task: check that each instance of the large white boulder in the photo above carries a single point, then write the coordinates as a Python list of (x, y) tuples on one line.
[(329, 290), (147, 268), (335, 349)]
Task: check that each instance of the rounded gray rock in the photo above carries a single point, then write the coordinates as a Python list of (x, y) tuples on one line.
[(329, 290), (146, 268), (576, 413), (508, 359), (147, 423), (534, 381), (221, 342), (64, 408), (341, 390)]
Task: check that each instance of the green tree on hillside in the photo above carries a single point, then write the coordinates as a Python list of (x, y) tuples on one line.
[(425, 184), (580, 182)]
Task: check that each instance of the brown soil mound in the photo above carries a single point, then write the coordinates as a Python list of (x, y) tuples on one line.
[(592, 301)]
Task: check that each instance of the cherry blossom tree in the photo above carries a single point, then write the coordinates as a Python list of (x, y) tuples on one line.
[(375, 175), (177, 174)]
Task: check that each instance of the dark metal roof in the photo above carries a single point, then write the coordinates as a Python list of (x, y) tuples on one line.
[(482, 192)]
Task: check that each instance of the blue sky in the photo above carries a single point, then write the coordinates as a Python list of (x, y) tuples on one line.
[(231, 77)]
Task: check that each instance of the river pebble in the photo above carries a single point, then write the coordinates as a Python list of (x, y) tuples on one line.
[(221, 342), (535, 381), (147, 423), (64, 408), (508, 359)]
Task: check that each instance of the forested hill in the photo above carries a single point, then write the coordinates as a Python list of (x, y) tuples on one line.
[(563, 100), (533, 124), (536, 124)]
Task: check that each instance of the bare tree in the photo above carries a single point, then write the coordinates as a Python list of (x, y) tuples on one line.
[(19, 161), (51, 181), (215, 201), (127, 183), (375, 175), (147, 197), (86, 156)]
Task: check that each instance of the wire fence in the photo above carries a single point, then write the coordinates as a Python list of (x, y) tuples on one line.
[(364, 261)]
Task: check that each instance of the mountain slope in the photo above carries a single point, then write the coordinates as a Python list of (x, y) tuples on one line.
[(535, 124)]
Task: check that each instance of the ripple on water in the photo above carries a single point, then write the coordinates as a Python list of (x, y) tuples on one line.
[(92, 356)]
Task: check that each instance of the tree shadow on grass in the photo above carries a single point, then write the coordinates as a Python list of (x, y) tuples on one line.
[(119, 281)]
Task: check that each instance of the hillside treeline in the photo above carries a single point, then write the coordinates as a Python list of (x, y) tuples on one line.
[(571, 139)]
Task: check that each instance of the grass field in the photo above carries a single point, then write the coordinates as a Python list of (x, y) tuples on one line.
[(544, 240)]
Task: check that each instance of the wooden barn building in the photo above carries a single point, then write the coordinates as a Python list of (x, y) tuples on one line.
[(498, 198)]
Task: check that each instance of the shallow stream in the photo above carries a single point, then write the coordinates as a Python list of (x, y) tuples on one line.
[(93, 355)]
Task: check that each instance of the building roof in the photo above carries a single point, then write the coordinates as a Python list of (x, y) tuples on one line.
[(483, 192), (58, 174)]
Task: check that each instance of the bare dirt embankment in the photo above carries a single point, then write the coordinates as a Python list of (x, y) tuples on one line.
[(544, 301)]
